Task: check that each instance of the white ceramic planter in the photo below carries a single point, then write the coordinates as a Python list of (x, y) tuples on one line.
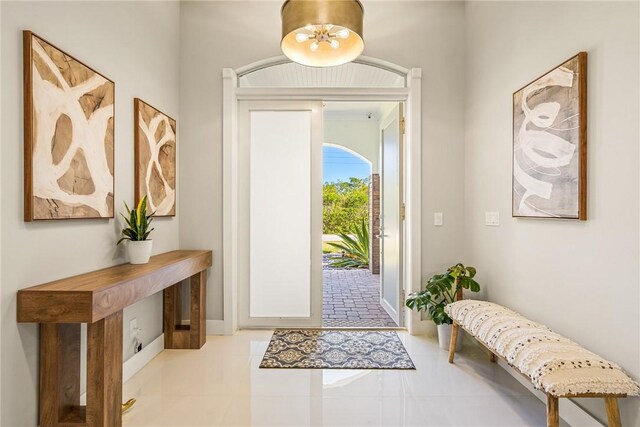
[(444, 337), (139, 251)]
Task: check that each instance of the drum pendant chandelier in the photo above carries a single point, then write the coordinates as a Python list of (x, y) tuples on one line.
[(322, 33)]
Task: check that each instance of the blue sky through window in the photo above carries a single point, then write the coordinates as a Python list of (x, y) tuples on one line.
[(341, 165)]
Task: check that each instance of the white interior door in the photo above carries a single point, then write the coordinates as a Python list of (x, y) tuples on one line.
[(391, 289), (280, 211)]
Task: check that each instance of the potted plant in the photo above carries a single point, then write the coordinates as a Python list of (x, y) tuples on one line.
[(137, 232), (441, 290)]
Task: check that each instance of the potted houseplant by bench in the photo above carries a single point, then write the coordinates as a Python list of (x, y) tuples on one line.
[(441, 290), (137, 232)]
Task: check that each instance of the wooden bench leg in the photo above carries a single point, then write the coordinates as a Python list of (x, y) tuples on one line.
[(452, 343), (104, 372), (553, 415), (613, 413)]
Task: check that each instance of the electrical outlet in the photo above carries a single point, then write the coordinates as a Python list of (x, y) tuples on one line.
[(133, 327), (492, 219), (438, 219)]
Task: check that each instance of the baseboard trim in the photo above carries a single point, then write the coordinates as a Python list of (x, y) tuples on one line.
[(139, 360), (215, 327), (569, 410)]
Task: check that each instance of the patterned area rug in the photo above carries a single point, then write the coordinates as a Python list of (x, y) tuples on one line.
[(336, 349)]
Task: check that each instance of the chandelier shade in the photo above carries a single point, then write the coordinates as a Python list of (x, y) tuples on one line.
[(322, 33)]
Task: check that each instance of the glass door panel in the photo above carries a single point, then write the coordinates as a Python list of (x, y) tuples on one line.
[(280, 249)]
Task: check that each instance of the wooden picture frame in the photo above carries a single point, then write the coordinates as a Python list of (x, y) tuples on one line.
[(69, 125), (549, 158), (155, 167)]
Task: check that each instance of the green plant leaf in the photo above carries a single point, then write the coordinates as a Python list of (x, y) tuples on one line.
[(464, 282), (474, 286), (471, 271)]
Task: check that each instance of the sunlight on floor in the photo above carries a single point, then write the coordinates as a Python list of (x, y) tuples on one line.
[(221, 385)]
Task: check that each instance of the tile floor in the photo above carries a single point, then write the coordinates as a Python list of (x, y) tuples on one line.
[(221, 385), (351, 298)]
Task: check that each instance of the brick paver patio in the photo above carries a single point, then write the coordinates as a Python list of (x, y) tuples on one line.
[(351, 298)]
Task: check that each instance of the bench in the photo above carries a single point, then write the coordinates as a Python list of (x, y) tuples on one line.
[(554, 365)]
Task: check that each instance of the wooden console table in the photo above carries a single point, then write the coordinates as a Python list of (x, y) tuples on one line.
[(98, 298)]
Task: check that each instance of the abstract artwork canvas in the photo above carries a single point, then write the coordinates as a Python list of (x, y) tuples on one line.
[(155, 158), (550, 144), (68, 135)]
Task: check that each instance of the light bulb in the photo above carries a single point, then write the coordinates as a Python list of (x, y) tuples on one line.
[(309, 27), (314, 46), (301, 37), (328, 27), (342, 34), (335, 44)]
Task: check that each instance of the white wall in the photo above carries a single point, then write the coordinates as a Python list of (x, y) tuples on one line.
[(580, 278), (359, 135), (136, 45), (215, 35)]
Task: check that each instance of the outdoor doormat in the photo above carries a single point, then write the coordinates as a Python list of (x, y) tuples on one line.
[(336, 349)]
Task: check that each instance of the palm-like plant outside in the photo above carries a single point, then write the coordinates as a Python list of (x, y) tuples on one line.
[(354, 247)]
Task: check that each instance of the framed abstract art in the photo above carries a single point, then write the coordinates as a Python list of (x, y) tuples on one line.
[(68, 135), (155, 158), (550, 144)]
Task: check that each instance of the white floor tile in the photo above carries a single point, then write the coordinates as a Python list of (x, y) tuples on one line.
[(222, 385)]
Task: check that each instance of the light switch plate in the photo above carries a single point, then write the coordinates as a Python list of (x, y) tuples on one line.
[(437, 219), (492, 219)]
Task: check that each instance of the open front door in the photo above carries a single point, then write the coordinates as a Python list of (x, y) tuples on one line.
[(280, 214), (392, 214)]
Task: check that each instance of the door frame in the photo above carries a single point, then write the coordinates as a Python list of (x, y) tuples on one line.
[(409, 95)]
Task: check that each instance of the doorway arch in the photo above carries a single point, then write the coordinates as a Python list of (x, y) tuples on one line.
[(279, 71), (350, 151), (409, 93)]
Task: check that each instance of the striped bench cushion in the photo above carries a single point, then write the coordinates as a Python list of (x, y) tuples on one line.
[(555, 365)]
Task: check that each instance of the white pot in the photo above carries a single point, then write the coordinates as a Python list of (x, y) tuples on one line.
[(444, 337), (139, 251)]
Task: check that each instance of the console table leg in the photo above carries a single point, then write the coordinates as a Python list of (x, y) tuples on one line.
[(198, 326), (193, 336), (104, 372), (59, 372), (171, 302)]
